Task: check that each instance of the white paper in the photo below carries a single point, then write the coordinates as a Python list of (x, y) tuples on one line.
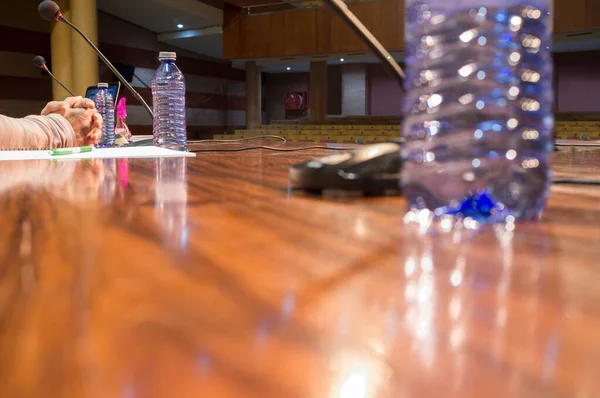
[(99, 153)]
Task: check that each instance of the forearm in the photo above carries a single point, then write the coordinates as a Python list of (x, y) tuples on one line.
[(36, 132)]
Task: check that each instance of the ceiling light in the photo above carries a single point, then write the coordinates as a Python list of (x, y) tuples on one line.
[(180, 26), (288, 68), (341, 59)]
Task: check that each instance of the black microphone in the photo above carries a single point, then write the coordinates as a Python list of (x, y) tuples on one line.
[(40, 62), (50, 11)]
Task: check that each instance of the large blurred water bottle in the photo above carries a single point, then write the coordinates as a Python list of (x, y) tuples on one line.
[(168, 94), (105, 104), (478, 108)]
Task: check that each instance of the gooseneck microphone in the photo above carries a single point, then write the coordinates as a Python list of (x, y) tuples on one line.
[(40, 62), (50, 11), (342, 10)]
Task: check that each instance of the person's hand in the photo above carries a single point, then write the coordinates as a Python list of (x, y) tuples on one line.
[(60, 107), (82, 115), (87, 124)]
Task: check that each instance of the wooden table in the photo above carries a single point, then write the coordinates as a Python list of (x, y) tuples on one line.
[(209, 277)]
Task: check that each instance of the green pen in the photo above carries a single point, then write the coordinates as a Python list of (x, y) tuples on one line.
[(71, 151)]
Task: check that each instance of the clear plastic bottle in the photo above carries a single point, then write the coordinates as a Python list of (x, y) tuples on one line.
[(168, 94), (105, 105), (478, 108)]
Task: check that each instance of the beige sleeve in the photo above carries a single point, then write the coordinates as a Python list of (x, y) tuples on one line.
[(36, 132)]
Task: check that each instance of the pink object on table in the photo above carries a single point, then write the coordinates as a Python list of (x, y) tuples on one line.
[(121, 127)]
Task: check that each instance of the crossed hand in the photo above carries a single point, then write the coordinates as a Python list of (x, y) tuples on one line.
[(81, 113)]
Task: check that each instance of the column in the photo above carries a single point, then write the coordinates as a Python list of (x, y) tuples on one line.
[(253, 95), (354, 89), (62, 66), (317, 94), (84, 14)]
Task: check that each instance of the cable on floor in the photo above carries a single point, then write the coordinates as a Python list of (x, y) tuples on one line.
[(270, 148), (258, 137), (267, 136)]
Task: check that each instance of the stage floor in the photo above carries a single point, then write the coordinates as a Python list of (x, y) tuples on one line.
[(211, 277)]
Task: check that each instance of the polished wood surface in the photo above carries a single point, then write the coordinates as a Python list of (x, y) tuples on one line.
[(210, 277)]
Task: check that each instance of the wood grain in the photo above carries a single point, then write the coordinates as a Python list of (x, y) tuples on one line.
[(313, 31), (569, 15), (592, 14), (384, 19), (209, 277), (320, 31)]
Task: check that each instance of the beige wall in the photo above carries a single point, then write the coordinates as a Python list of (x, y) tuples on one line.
[(354, 89)]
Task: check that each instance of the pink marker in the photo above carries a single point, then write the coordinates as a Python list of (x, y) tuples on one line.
[(122, 128)]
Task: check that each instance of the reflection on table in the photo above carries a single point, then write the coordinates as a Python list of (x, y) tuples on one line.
[(210, 277)]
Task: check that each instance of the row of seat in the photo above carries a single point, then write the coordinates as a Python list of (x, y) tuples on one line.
[(578, 130), (582, 130), (330, 127), (322, 133)]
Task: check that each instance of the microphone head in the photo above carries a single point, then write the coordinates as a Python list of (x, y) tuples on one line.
[(49, 10), (39, 61)]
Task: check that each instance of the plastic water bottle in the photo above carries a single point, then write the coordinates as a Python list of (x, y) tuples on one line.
[(168, 93), (105, 105), (478, 108)]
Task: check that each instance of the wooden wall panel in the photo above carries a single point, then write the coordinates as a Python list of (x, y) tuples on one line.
[(321, 31), (317, 31), (300, 32), (323, 38), (275, 25), (255, 36), (569, 15), (231, 29), (592, 14), (343, 38), (394, 26), (576, 15)]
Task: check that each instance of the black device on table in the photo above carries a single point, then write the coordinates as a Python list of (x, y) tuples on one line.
[(371, 169)]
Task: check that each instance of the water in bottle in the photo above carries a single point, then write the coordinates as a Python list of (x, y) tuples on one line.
[(105, 105), (168, 94), (478, 109)]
